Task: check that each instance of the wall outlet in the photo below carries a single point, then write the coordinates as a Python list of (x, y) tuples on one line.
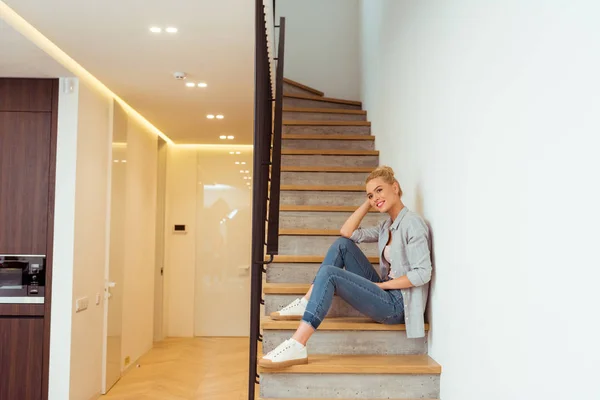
[(81, 304), (127, 360)]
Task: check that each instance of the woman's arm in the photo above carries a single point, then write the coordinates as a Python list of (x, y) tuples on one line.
[(398, 283), (354, 220)]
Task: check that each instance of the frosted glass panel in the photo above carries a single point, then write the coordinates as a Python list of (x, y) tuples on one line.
[(223, 242)]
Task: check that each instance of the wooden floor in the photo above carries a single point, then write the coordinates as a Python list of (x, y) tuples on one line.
[(185, 369)]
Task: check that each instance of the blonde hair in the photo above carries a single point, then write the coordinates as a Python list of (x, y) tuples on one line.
[(387, 174)]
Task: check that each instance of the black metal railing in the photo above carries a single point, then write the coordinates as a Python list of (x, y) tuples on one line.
[(268, 118)]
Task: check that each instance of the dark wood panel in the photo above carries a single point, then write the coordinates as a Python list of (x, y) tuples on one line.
[(21, 310), (50, 240), (21, 346), (26, 94), (25, 140)]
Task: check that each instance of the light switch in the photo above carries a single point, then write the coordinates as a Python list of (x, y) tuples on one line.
[(98, 298), (81, 304)]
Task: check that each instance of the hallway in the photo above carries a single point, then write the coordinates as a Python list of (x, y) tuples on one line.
[(186, 369)]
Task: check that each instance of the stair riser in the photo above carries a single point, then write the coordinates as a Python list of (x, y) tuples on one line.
[(324, 129), (315, 245), (352, 342), (306, 103), (329, 161), (313, 116), (322, 220), (287, 88), (324, 178), (329, 144), (295, 272), (356, 386), (339, 308), (299, 198)]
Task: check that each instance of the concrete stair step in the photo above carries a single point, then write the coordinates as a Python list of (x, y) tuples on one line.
[(312, 101), (322, 220), (327, 127), (322, 198), (339, 142), (324, 178), (293, 87), (306, 243), (355, 335), (355, 376), (329, 158), (299, 269), (323, 114)]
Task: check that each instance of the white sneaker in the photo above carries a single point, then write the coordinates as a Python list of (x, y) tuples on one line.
[(292, 312), (286, 354)]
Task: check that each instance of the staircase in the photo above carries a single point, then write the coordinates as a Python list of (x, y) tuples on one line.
[(327, 152)]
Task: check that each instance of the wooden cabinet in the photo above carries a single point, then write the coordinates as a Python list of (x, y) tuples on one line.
[(28, 133), (24, 175), (21, 347)]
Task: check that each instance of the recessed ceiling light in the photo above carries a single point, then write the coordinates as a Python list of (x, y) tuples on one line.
[(241, 171), (155, 29), (171, 29), (237, 163), (222, 137), (202, 84), (238, 152), (245, 177), (210, 116), (230, 137), (231, 152), (190, 84), (247, 171), (243, 162), (220, 116)]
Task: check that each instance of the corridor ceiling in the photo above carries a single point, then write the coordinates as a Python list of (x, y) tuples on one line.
[(112, 40)]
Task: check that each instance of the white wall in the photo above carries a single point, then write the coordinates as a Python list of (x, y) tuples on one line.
[(321, 45), (488, 112)]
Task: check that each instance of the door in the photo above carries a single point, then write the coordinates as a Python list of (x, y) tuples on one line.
[(113, 293), (159, 331), (224, 226)]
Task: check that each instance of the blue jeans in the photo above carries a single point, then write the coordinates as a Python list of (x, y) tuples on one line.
[(355, 285)]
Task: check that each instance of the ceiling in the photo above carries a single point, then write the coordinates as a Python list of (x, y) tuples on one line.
[(112, 40)]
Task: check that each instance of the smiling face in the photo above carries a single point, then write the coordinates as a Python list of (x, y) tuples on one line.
[(382, 195)]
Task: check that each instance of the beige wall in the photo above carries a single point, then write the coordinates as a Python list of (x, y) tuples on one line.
[(138, 297), (83, 182), (89, 257), (206, 283)]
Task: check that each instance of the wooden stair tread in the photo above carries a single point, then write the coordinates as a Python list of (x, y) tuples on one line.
[(304, 259), (278, 398), (309, 232), (324, 188), (327, 123), (304, 87), (322, 208), (326, 169), (337, 324), (362, 364), (324, 110), (327, 137), (324, 99), (329, 152)]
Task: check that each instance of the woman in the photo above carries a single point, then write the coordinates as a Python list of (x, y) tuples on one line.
[(398, 296)]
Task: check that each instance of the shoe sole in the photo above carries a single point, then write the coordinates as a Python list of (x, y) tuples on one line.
[(276, 316), (283, 364)]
